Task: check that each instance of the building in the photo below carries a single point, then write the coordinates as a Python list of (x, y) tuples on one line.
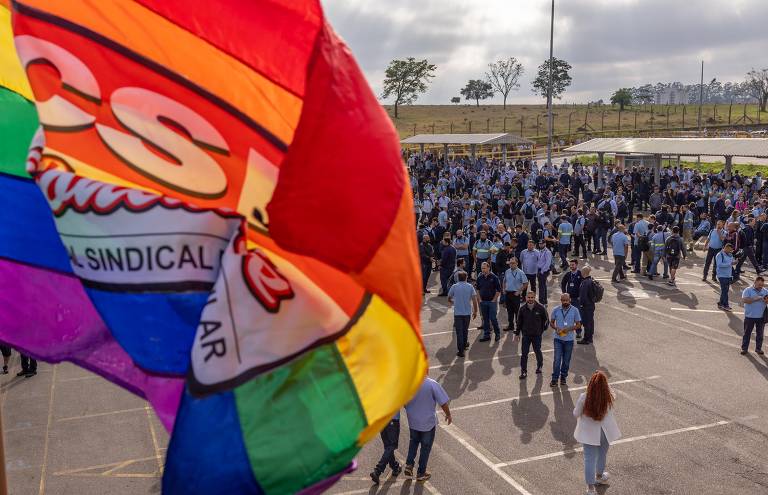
[(672, 96)]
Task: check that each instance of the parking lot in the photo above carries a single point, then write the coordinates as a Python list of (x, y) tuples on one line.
[(691, 409)]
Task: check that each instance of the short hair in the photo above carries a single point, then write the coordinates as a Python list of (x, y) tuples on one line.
[(460, 262), (759, 278), (586, 268), (728, 244), (639, 215), (462, 276)]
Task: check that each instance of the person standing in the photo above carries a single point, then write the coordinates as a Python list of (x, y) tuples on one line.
[(578, 235), (28, 366), (489, 288), (639, 241), (425, 255), (674, 247), (532, 321), (529, 263), (748, 246), (570, 284), (620, 244), (724, 266), (6, 351), (463, 297), (754, 299), (713, 244), (544, 267), (481, 251), (565, 319), (564, 234), (422, 422), (658, 242), (587, 305), (514, 286), (461, 243), (390, 436), (447, 264), (596, 428)]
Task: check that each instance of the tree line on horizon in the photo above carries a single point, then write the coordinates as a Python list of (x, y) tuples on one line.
[(405, 80)]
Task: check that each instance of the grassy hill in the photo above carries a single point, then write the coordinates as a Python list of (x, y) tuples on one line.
[(584, 121)]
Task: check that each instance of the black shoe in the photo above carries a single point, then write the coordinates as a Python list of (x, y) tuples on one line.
[(635, 271), (5, 370), (704, 279), (665, 276), (584, 342), (442, 294), (563, 382), (714, 278), (30, 374), (538, 371), (460, 354), (650, 277), (516, 332), (22, 373), (497, 338), (523, 375), (743, 352), (578, 335), (408, 470), (759, 351), (553, 383), (375, 477), (466, 346), (483, 339), (396, 471), (507, 329)]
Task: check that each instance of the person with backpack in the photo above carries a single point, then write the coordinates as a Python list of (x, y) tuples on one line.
[(529, 212), (590, 293), (578, 234), (674, 248)]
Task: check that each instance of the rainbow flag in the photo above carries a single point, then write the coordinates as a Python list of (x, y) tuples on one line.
[(214, 215)]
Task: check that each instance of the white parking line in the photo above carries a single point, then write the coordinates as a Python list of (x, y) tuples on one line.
[(707, 310), (470, 361), (460, 437), (435, 333), (571, 389), (617, 442)]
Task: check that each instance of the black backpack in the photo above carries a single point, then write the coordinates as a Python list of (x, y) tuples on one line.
[(528, 211), (597, 291), (672, 247)]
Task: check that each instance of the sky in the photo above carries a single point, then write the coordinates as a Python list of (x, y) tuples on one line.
[(609, 43)]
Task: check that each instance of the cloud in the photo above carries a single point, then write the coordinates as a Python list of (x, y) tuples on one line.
[(609, 43)]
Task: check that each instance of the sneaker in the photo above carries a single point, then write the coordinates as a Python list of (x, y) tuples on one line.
[(375, 477), (578, 334), (483, 339), (497, 338), (523, 375), (759, 351), (584, 342), (553, 383), (563, 382), (423, 477), (743, 352), (728, 308), (538, 371), (22, 373), (671, 283), (460, 354), (5, 370), (30, 374), (703, 279), (665, 276), (396, 471), (602, 479), (408, 470)]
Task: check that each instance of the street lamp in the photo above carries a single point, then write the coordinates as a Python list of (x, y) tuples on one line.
[(549, 86)]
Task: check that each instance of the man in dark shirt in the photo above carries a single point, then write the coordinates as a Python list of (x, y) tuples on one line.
[(587, 306), (425, 255), (532, 320), (447, 264), (570, 284), (489, 289), (748, 246)]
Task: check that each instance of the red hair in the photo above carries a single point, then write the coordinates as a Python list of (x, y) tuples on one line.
[(599, 397)]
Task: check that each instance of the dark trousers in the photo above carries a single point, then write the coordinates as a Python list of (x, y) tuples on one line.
[(711, 252), (601, 239), (588, 321), (579, 242), (618, 269), (426, 269), (389, 436), (542, 282), (424, 441), (445, 274), (563, 250), (725, 284), (636, 256), (525, 348), (759, 326), (461, 325), (28, 363), (531, 283), (749, 252), (513, 307), (488, 311)]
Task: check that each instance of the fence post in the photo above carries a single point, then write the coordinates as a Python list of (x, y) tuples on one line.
[(470, 126), (433, 127), (488, 125), (683, 117), (619, 119), (635, 119), (537, 124), (730, 107), (414, 129), (522, 119), (451, 127)]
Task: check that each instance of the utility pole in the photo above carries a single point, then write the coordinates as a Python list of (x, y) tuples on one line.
[(701, 96), (549, 87)]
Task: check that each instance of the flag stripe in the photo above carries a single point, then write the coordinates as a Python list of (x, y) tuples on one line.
[(18, 122)]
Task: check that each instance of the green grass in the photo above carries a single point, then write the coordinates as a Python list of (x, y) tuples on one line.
[(748, 169)]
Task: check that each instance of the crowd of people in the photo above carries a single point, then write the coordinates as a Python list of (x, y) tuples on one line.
[(497, 233)]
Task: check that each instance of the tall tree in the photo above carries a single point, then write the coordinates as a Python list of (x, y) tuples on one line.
[(757, 86), (405, 79), (477, 89), (645, 94), (560, 78), (504, 76), (622, 97)]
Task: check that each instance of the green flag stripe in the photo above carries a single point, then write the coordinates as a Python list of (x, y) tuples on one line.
[(18, 122), (303, 417)]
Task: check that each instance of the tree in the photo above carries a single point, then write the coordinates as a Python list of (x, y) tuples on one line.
[(456, 99), (622, 97), (560, 78), (406, 79), (757, 86), (644, 94), (477, 89), (504, 76)]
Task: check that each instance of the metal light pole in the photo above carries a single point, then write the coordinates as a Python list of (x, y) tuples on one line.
[(549, 86), (701, 96)]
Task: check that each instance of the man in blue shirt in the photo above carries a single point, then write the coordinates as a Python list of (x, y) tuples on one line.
[(754, 299), (544, 267), (422, 421), (515, 283), (489, 287), (724, 269), (564, 233), (565, 320), (464, 299), (529, 263), (620, 244), (640, 230), (714, 244)]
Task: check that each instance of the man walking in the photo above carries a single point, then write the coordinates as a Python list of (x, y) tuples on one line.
[(714, 244), (639, 241), (529, 262), (587, 305), (447, 263), (673, 249), (422, 422), (489, 288), (570, 285), (514, 286), (754, 299), (390, 436), (464, 300), (482, 251), (532, 320), (564, 233), (544, 267), (620, 244), (724, 266), (565, 320), (425, 255)]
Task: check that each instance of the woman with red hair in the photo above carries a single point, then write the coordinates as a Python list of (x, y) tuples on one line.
[(596, 428)]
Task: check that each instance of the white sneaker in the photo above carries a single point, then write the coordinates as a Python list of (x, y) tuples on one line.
[(602, 479)]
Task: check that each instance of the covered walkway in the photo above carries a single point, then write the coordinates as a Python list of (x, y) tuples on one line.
[(472, 140)]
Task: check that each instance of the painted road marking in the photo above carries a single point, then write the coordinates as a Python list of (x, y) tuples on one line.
[(570, 389), (707, 310), (435, 333), (470, 361)]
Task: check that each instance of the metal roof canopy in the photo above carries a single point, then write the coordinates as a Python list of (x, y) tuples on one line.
[(466, 139), (746, 147)]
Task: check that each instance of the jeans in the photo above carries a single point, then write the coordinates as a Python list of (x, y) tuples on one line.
[(711, 252), (390, 436), (488, 311), (563, 250), (594, 459), (461, 325), (659, 256), (725, 283), (588, 321), (513, 307), (425, 440), (542, 283), (426, 269), (759, 325), (618, 269), (636, 253), (28, 363), (563, 351), (525, 347), (601, 240)]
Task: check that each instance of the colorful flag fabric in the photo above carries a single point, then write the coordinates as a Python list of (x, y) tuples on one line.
[(224, 202)]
